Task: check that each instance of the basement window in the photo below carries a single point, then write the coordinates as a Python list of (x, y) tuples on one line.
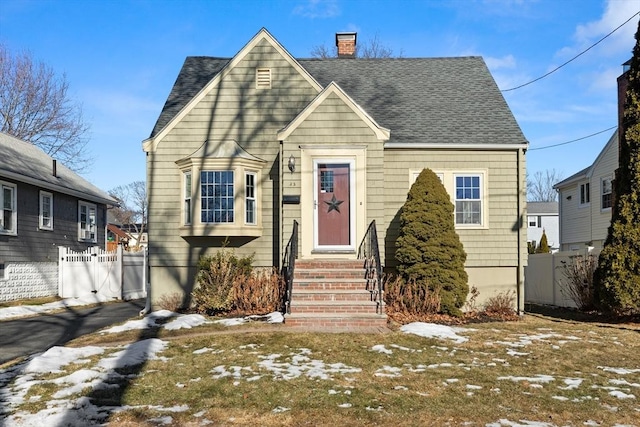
[(263, 78)]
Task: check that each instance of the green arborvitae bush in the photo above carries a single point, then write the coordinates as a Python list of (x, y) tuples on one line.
[(543, 247), (617, 278), (428, 248)]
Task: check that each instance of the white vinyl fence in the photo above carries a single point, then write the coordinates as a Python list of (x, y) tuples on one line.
[(545, 281), (118, 274)]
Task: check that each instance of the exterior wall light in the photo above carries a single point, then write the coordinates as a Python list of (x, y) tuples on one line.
[(292, 164)]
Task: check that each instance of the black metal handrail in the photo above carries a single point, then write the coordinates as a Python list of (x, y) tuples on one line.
[(370, 252), (289, 264)]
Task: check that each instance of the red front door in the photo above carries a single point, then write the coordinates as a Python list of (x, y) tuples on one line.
[(333, 207)]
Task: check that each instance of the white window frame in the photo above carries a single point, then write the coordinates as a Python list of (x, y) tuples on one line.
[(87, 231), (584, 194), (223, 198), (187, 195), (603, 194), (13, 208), (41, 216), (480, 199), (532, 221), (251, 201)]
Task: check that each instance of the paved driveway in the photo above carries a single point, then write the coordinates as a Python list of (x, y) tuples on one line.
[(22, 337)]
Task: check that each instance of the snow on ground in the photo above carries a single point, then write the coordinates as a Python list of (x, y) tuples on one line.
[(432, 330), (30, 310)]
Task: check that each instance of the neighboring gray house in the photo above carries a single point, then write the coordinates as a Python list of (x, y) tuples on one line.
[(543, 216), (44, 205), (246, 147)]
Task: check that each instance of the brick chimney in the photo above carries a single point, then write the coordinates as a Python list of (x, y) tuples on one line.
[(623, 83), (346, 43)]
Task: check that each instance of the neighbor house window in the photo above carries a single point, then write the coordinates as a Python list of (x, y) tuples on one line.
[(187, 197), (533, 221), (584, 193), (87, 222), (216, 197), (468, 199), (2, 271), (606, 193), (46, 211), (8, 219), (250, 197)]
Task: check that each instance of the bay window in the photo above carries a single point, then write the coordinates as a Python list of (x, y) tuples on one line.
[(46, 211), (86, 222), (221, 191)]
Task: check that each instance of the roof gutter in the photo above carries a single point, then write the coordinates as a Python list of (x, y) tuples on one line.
[(448, 146)]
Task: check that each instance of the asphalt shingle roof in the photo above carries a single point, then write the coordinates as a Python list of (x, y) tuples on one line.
[(428, 100), (26, 162), (542, 208)]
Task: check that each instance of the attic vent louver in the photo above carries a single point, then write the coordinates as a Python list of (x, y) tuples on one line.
[(263, 78)]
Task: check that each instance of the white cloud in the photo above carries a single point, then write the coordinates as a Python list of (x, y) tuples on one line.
[(317, 9), (507, 61), (615, 13)]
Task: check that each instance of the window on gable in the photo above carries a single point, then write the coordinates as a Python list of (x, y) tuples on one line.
[(87, 222), (263, 78), (216, 197), (468, 199), (606, 193), (46, 211), (584, 193), (8, 219)]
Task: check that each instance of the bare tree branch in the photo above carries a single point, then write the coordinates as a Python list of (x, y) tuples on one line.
[(133, 206), (540, 186), (35, 106)]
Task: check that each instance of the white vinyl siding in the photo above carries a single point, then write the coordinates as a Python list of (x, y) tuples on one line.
[(45, 217), (87, 222), (9, 217)]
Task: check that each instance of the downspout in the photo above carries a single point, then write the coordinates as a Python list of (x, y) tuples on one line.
[(281, 243), (519, 222)]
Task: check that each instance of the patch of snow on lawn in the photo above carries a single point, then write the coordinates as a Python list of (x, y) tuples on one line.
[(431, 330), (621, 395), (380, 348), (388, 371), (52, 360), (187, 321), (152, 320), (619, 371), (134, 354), (571, 383), (536, 379), (522, 423)]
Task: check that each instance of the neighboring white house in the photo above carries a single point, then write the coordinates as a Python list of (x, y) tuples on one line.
[(543, 217), (585, 200)]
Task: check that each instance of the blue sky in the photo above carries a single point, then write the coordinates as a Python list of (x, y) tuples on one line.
[(121, 58)]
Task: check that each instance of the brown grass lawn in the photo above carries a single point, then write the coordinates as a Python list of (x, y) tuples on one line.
[(539, 369)]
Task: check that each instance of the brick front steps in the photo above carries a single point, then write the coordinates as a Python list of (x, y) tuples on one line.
[(330, 293)]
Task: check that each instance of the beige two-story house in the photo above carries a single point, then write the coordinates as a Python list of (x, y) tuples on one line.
[(246, 147)]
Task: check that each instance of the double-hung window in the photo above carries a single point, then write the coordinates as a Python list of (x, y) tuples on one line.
[(468, 199), (46, 211), (8, 218), (606, 193), (250, 198), (86, 222), (187, 197), (584, 194)]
